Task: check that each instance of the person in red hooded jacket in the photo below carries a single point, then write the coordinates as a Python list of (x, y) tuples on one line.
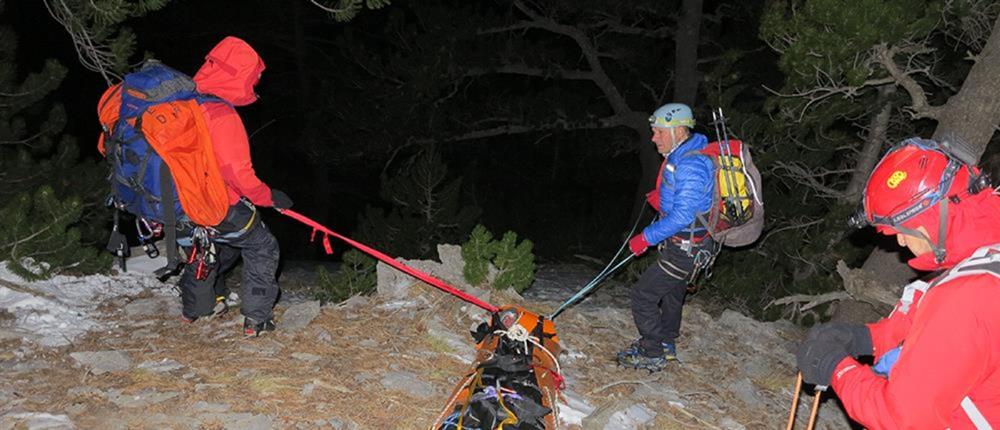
[(231, 70), (937, 354)]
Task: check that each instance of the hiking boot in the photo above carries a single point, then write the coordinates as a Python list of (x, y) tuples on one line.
[(669, 351), (630, 350), (187, 320), (633, 357), (253, 328)]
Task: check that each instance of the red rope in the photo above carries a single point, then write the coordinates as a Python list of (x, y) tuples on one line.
[(556, 377), (441, 285)]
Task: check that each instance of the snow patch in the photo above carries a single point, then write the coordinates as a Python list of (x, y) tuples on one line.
[(56, 311)]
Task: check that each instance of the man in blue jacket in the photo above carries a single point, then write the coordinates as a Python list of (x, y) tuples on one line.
[(684, 189)]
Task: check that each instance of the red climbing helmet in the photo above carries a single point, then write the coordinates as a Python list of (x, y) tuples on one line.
[(914, 176)]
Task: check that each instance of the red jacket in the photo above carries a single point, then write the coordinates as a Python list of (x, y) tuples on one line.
[(950, 339), (230, 72)]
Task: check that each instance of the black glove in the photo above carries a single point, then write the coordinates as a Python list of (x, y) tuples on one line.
[(857, 337), (820, 353), (280, 200)]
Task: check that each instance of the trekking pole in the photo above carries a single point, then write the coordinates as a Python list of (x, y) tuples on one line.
[(815, 409), (795, 402), (434, 282)]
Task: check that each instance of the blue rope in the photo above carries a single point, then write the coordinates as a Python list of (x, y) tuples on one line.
[(594, 283), (608, 270)]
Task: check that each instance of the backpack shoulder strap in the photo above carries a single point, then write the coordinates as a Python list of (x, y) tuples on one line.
[(169, 226), (985, 261)]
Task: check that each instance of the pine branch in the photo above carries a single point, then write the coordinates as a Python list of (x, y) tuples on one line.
[(919, 107)]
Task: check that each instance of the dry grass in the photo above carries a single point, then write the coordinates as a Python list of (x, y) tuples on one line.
[(260, 376)]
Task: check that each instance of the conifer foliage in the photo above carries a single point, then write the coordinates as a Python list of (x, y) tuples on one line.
[(513, 262), (38, 240), (355, 276), (102, 43), (425, 209), (46, 192), (346, 10)]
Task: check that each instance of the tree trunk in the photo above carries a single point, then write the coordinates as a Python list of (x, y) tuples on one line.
[(686, 53), (869, 155), (890, 266), (972, 114)]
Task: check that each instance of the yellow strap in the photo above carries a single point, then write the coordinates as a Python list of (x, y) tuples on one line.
[(510, 414), (253, 216)]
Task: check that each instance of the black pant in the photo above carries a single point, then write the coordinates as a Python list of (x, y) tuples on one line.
[(260, 253), (658, 296)]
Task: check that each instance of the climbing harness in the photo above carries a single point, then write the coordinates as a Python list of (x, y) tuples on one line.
[(202, 254), (795, 403), (430, 280)]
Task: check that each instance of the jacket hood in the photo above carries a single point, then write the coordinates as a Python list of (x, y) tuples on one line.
[(972, 224), (232, 68)]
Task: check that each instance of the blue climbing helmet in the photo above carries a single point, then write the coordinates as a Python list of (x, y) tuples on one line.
[(672, 115)]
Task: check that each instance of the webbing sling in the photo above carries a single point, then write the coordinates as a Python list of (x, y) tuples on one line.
[(435, 282)]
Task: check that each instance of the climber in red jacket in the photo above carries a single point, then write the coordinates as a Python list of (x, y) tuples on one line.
[(231, 70), (937, 354)]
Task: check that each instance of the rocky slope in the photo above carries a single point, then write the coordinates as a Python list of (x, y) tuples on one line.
[(386, 361)]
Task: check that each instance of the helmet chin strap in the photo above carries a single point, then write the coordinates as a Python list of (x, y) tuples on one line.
[(936, 246)]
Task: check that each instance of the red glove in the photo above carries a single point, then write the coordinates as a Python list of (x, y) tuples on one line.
[(638, 244), (653, 198)]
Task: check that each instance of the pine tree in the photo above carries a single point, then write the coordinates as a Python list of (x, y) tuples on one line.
[(47, 192), (356, 276), (102, 42), (477, 253), (346, 10), (426, 209), (513, 262), (38, 240)]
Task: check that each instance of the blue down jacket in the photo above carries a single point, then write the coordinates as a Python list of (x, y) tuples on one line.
[(686, 189)]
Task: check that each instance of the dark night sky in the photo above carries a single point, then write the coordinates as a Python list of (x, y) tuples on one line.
[(509, 175)]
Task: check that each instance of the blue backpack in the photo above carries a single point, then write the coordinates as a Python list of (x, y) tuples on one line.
[(162, 165)]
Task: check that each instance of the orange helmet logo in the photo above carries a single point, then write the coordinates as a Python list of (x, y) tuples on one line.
[(895, 179)]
